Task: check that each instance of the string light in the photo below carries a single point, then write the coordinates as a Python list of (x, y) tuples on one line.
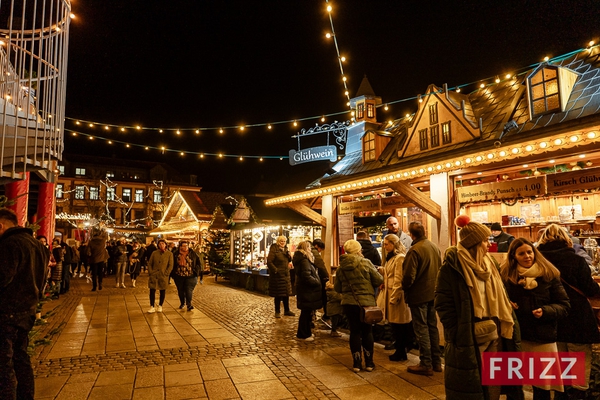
[(337, 49)]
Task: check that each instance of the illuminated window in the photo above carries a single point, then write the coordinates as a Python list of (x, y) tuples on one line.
[(360, 111), (61, 169), (139, 195), (434, 134), (543, 91), (126, 194), (433, 114), (369, 146), (370, 110), (423, 139), (446, 133), (80, 171), (110, 174), (94, 193), (79, 192), (60, 190), (157, 196), (110, 193)]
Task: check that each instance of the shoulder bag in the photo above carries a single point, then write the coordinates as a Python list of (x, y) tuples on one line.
[(368, 314)]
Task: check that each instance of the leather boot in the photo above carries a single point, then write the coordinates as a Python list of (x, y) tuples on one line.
[(357, 366), (369, 364)]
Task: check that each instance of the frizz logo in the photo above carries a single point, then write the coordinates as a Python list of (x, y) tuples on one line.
[(526, 368)]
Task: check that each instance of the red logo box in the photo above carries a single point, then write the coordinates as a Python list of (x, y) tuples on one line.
[(528, 368)]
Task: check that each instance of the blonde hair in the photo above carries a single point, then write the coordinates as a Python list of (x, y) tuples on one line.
[(305, 248), (398, 245), (555, 233), (509, 271)]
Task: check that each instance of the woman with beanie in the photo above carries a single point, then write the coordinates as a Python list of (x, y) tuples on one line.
[(391, 297), (280, 285), (539, 299), (308, 289), (579, 330), (356, 280), (475, 311)]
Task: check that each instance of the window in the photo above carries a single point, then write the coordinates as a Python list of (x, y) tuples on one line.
[(110, 174), (446, 133), (369, 146), (370, 110), (79, 171), (433, 114), (360, 111), (157, 215), (60, 190), (126, 195), (423, 139), (544, 91), (94, 193), (434, 134), (61, 169), (79, 192), (157, 196), (139, 195), (110, 193)]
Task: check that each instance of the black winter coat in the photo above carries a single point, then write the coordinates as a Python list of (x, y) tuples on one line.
[(550, 297), (453, 303), (370, 252), (580, 325), (279, 271), (308, 283)]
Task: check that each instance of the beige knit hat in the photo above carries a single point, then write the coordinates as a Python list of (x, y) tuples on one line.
[(471, 233), (352, 247)]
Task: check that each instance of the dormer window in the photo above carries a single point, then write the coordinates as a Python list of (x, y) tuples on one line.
[(433, 114), (544, 93), (360, 111), (369, 146), (370, 110)]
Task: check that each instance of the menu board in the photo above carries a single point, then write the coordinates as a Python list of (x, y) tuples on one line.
[(503, 190), (346, 227)]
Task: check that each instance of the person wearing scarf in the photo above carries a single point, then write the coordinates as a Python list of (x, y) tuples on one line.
[(160, 266), (188, 267), (469, 291), (539, 299), (308, 289)]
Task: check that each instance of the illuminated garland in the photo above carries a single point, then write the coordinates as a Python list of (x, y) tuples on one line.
[(481, 84)]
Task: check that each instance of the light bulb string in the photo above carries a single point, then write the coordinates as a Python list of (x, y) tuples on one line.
[(165, 149), (337, 50), (519, 72)]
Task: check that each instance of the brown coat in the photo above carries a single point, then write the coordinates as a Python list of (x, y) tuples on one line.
[(160, 266)]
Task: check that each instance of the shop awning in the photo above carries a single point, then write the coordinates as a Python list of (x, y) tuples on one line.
[(176, 227)]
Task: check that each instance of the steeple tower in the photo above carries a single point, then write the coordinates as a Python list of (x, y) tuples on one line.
[(365, 102)]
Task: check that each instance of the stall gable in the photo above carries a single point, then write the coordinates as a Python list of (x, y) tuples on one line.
[(437, 124), (179, 210), (242, 212)]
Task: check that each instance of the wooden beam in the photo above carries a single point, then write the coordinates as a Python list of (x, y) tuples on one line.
[(303, 209), (429, 206)]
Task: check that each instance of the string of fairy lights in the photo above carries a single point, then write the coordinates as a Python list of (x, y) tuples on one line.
[(110, 128)]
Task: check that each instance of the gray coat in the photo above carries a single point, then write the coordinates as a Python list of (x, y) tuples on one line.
[(160, 266)]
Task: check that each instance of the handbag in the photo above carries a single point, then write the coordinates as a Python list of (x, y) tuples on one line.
[(368, 314), (594, 301), (485, 331)]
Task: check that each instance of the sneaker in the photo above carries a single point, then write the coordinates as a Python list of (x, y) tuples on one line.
[(181, 306), (277, 315), (310, 339), (123, 285), (335, 334), (133, 284), (369, 367), (190, 308), (152, 310), (419, 370), (202, 281), (159, 308), (289, 314), (437, 368)]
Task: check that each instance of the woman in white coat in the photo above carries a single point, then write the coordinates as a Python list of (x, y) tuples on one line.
[(391, 297)]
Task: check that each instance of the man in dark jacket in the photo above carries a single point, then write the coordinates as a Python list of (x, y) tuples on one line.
[(23, 264), (368, 250), (503, 239), (66, 270), (318, 248), (421, 266)]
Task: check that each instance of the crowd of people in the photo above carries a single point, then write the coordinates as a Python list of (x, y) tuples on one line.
[(534, 301)]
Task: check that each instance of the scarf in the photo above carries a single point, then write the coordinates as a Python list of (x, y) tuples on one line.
[(497, 301), (527, 276), (182, 257)]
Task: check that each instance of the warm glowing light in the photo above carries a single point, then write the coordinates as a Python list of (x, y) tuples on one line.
[(448, 165), (138, 127), (344, 78), (221, 130), (480, 173), (322, 119), (502, 153), (525, 165), (591, 135), (482, 85), (160, 131), (508, 76), (242, 128), (122, 129), (490, 156), (343, 59), (457, 163), (241, 158), (346, 93), (197, 131), (407, 115), (181, 153), (77, 123), (178, 132), (420, 100), (260, 159), (146, 148), (201, 155), (552, 161), (557, 142), (421, 170), (386, 107), (478, 158), (574, 138), (91, 125), (220, 155), (514, 150), (497, 80), (591, 43), (328, 35), (110, 142), (329, 8), (295, 123), (546, 58), (582, 156), (72, 16), (429, 169), (543, 145), (106, 127), (269, 126), (457, 90), (529, 147), (468, 160), (91, 137)]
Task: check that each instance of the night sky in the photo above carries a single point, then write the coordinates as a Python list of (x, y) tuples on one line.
[(208, 64)]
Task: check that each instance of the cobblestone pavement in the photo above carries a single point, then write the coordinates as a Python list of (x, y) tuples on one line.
[(104, 345)]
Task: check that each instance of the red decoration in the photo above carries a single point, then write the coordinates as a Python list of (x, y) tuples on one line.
[(462, 220)]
